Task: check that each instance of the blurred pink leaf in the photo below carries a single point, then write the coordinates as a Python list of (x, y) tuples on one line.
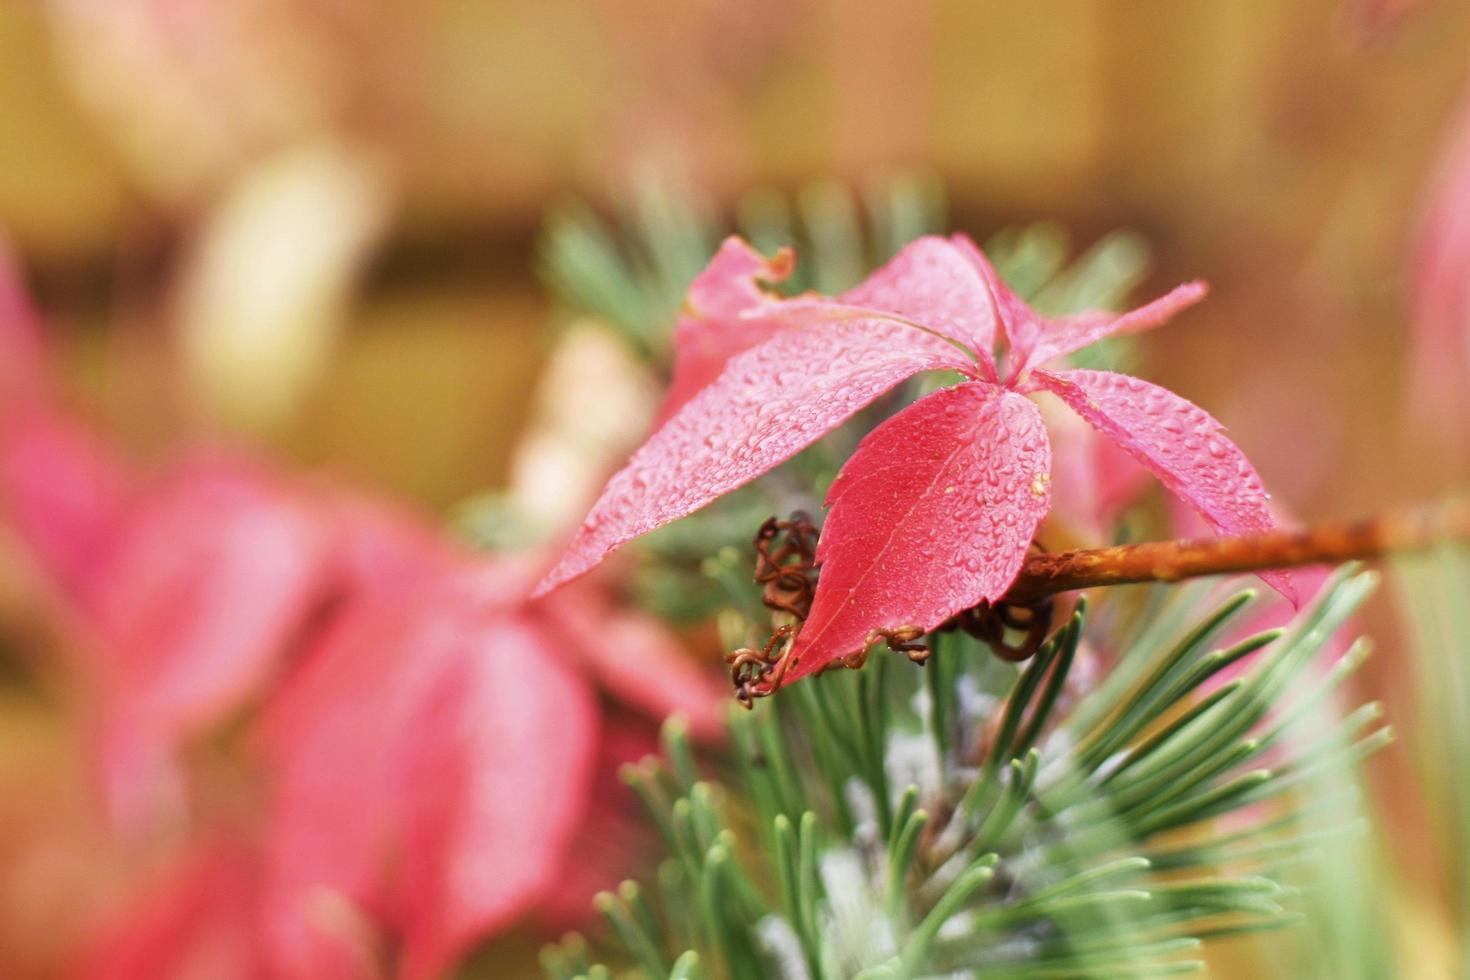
[(1440, 349), (430, 736), (615, 834), (67, 497), (194, 922), (334, 739), (496, 787), (379, 547), (215, 573), (189, 587), (63, 492), (1094, 481), (634, 657), (424, 726)]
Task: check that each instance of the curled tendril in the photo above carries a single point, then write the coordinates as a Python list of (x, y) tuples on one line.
[(991, 623), (786, 564), (786, 568), (757, 673), (900, 639)]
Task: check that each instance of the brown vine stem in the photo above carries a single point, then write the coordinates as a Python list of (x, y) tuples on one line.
[(1047, 574)]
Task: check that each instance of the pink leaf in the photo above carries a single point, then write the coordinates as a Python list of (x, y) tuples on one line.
[(1180, 443), (1014, 318), (216, 573), (933, 282), (496, 790), (930, 282), (1035, 339), (933, 513), (1068, 334), (635, 657), (722, 317), (769, 403)]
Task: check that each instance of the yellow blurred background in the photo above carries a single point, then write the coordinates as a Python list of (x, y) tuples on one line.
[(1277, 149)]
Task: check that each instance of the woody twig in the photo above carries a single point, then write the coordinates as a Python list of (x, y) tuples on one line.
[(1170, 561)]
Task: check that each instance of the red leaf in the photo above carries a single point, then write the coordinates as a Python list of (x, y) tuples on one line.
[(1180, 443), (496, 788), (769, 403), (933, 513), (721, 317)]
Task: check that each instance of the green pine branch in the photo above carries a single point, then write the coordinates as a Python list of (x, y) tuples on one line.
[(896, 822)]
